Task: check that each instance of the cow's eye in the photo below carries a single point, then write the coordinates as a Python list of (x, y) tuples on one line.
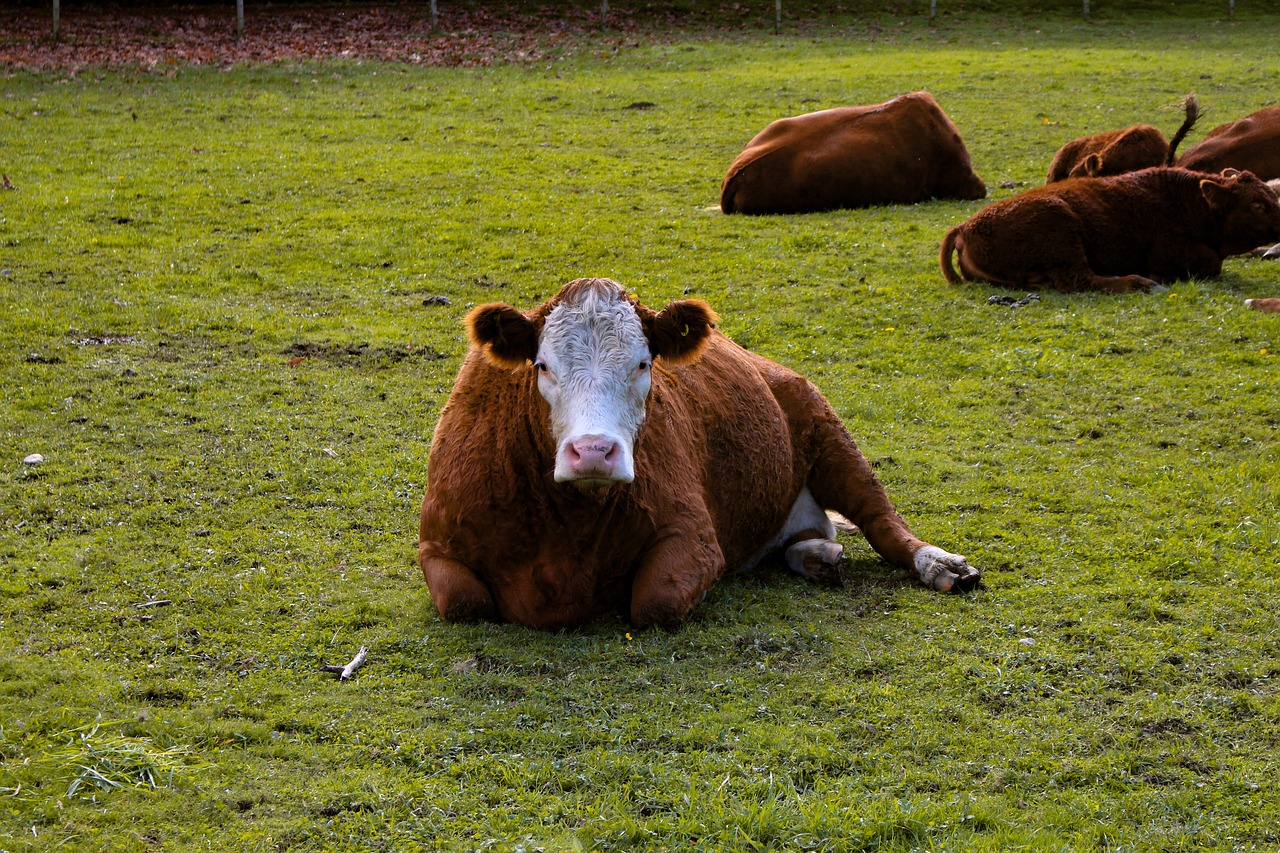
[(642, 366), (540, 366)]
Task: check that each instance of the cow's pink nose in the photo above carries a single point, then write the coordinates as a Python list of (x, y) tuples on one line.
[(593, 456)]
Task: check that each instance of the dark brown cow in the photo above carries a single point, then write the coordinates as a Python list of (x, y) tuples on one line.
[(900, 152), (597, 455), (1116, 233), (1118, 151), (1252, 143)]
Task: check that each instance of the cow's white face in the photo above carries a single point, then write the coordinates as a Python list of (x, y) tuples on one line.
[(594, 371), (592, 347)]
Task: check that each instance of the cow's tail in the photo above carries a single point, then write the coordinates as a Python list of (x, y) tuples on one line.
[(944, 256), (1191, 108)]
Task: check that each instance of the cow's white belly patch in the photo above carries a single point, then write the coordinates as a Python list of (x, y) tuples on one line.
[(806, 514)]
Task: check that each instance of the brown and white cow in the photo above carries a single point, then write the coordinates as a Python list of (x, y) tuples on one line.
[(596, 455), (1116, 233), (1115, 152), (900, 152)]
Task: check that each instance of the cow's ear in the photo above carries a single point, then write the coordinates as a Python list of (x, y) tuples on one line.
[(507, 337), (1218, 195), (1093, 165), (678, 332)]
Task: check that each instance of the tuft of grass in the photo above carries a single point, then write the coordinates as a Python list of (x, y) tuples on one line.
[(96, 758)]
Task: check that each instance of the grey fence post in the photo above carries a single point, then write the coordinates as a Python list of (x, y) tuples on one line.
[(57, 19), (1086, 8), (777, 18), (604, 14), (434, 27), (239, 18)]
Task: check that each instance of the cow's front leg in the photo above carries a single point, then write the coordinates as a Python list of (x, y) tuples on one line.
[(459, 595), (843, 480), (673, 578), (944, 571)]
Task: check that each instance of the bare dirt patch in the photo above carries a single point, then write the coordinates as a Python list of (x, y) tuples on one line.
[(160, 35)]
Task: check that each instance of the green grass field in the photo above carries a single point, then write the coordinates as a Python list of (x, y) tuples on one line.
[(221, 331)]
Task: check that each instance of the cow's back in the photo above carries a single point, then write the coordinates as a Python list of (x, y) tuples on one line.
[(1137, 219), (903, 151), (1252, 143)]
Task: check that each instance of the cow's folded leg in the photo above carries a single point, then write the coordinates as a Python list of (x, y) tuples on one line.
[(816, 559), (459, 595), (1073, 278), (944, 571), (673, 579), (844, 481)]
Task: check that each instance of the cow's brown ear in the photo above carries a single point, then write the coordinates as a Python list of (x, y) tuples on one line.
[(507, 337), (1093, 165), (1216, 194), (678, 332)]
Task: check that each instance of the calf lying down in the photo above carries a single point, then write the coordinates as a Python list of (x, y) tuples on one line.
[(1115, 152), (1116, 233)]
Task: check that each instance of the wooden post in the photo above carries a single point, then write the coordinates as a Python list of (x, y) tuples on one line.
[(434, 25), (239, 18), (57, 19), (604, 14), (933, 10), (1231, 7), (777, 18), (1086, 8)]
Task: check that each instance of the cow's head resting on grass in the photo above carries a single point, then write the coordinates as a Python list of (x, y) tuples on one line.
[(1247, 208), (592, 346)]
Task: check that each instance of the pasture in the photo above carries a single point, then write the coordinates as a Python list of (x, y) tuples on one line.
[(231, 312)]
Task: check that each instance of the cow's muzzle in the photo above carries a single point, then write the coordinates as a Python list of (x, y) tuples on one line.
[(594, 458)]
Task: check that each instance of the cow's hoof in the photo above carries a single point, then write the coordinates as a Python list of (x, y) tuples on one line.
[(968, 582), (946, 572), (816, 559)]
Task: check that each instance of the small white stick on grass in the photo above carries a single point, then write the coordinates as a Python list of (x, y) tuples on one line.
[(345, 671)]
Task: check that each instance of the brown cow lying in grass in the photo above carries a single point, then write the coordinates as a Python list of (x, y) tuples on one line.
[(900, 152), (1118, 151), (1116, 233), (598, 455)]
